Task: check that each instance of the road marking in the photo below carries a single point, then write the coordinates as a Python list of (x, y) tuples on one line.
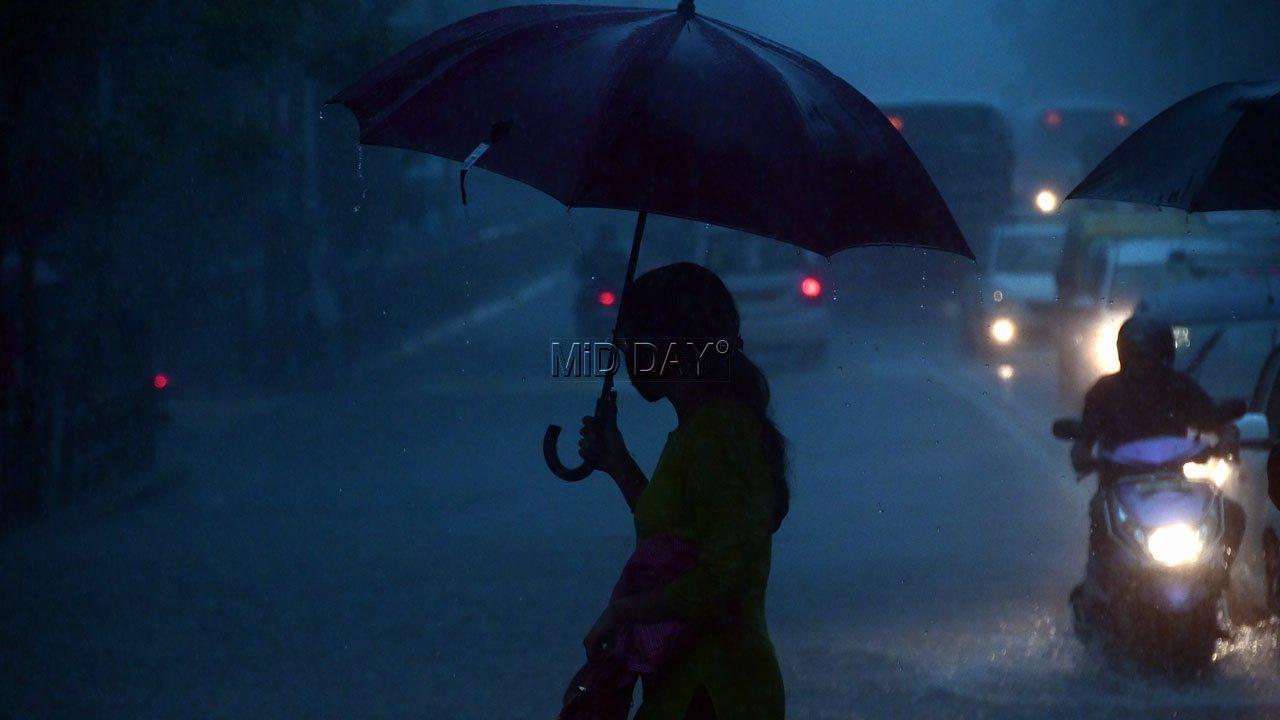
[(480, 313), (1014, 418)]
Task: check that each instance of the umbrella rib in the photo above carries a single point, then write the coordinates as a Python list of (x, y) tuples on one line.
[(1194, 203), (624, 78), (843, 145), (505, 35), (841, 88), (772, 72), (804, 61), (394, 106), (1115, 163)]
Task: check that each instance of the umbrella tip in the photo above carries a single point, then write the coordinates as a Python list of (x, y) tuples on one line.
[(686, 8)]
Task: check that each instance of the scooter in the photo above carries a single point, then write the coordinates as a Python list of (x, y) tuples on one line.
[(1158, 558)]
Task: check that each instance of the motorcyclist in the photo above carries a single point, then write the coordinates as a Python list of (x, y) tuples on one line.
[(1149, 398)]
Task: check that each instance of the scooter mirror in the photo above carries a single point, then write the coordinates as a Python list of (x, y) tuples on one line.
[(1067, 428), (1254, 429)]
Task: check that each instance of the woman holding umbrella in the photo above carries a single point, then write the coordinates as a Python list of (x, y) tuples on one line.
[(673, 113), (721, 484)]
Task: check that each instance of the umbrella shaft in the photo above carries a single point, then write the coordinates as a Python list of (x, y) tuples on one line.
[(626, 285), (635, 254)]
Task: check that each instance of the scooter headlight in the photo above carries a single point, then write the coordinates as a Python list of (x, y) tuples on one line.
[(1218, 470), (1175, 545)]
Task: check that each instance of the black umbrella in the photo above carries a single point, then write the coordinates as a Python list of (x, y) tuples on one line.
[(1216, 150), (658, 111)]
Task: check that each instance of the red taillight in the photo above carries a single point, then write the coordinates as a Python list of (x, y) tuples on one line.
[(896, 122), (160, 381), (1121, 120), (811, 287), (1053, 119), (606, 298)]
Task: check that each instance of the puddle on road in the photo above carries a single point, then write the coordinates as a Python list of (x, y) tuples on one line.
[(1029, 665)]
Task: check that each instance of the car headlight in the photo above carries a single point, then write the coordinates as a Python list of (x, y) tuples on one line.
[(1174, 545), (1003, 330), (1106, 359), (1047, 201), (1218, 470)]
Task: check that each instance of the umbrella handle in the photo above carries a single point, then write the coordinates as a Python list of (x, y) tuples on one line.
[(550, 453), (552, 456)]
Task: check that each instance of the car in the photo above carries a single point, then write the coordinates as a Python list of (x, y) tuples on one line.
[(1010, 301), (1115, 270), (1226, 331), (781, 291)]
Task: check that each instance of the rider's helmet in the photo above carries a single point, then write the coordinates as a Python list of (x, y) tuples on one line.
[(1145, 343)]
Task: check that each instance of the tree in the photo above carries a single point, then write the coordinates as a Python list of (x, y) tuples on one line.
[(67, 153)]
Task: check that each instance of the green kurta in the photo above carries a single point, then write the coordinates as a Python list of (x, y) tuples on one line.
[(712, 487)]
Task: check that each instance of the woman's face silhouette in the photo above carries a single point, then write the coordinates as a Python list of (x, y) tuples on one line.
[(649, 387), (645, 356), (659, 367), (677, 325)]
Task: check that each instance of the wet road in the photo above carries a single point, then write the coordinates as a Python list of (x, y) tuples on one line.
[(396, 549)]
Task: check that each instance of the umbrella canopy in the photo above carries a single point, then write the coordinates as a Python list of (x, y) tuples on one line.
[(1216, 150), (658, 111)]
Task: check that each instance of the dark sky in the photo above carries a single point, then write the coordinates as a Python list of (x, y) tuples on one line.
[(893, 51), (1138, 54)]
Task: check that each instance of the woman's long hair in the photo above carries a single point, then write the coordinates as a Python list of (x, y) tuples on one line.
[(688, 301)]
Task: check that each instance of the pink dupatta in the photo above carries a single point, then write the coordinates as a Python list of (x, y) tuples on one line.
[(602, 688)]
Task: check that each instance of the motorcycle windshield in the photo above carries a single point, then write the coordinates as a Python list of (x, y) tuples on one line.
[(1157, 503), (1156, 452)]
